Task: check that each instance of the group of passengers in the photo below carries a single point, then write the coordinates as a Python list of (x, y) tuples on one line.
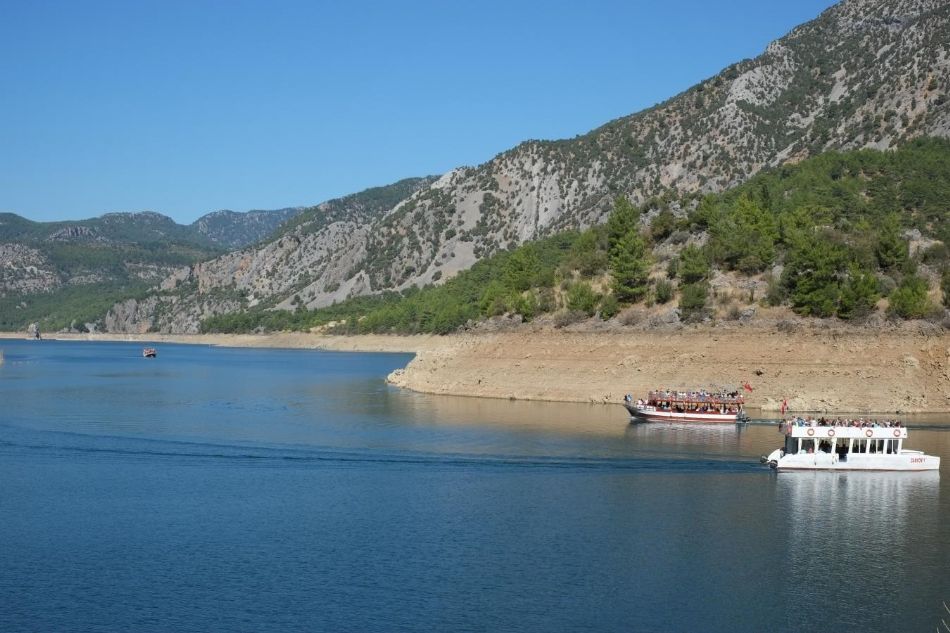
[(860, 423), (666, 395), (842, 448)]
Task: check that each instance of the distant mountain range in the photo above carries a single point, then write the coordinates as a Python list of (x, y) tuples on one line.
[(865, 73), (62, 264), (148, 243)]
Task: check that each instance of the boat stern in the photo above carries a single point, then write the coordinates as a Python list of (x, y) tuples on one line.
[(772, 458)]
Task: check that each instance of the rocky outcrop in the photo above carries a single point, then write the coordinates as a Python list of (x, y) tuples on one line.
[(131, 316), (25, 270)]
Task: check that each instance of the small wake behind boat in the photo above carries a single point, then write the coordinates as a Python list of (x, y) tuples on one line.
[(149, 352), (869, 446), (701, 406)]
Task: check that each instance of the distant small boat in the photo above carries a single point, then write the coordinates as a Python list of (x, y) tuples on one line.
[(149, 352)]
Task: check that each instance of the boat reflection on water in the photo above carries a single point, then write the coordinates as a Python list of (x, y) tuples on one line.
[(854, 500), (847, 527), (699, 437)]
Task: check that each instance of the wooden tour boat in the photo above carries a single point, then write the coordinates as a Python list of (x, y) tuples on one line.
[(700, 406)]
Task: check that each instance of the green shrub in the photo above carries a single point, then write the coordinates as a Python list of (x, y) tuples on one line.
[(581, 297), (775, 294), (526, 305), (936, 254), (693, 301), (662, 225), (663, 291), (547, 300), (910, 300), (886, 285), (588, 255), (609, 307)]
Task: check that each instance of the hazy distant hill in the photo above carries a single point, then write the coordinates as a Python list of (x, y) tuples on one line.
[(233, 229)]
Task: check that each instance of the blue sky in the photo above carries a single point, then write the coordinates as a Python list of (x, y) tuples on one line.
[(189, 107)]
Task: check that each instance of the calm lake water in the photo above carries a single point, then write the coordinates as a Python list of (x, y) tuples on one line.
[(219, 489)]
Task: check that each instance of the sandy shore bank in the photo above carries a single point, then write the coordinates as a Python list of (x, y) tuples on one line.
[(838, 370), (815, 371)]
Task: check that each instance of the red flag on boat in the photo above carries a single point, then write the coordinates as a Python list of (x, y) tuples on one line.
[(747, 386)]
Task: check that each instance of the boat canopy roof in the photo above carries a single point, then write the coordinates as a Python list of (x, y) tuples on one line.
[(859, 432), (696, 397)]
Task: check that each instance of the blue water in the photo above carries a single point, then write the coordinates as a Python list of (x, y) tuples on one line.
[(220, 489)]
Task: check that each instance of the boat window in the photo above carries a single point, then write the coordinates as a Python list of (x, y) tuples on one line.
[(841, 449)]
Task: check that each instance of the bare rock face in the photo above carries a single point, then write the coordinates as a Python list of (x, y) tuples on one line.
[(71, 233), (862, 75), (25, 270), (131, 316)]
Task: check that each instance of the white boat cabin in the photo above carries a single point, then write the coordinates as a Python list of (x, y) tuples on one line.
[(809, 446)]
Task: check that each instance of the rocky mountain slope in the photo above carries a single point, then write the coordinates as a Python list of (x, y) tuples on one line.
[(866, 73)]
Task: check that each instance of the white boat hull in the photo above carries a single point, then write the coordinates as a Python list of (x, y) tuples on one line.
[(910, 461)]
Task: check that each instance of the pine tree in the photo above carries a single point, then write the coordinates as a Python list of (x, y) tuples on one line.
[(622, 221), (891, 248), (858, 294), (811, 276), (630, 268), (692, 266)]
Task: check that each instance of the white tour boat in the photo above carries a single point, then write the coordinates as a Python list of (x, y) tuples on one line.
[(687, 406), (869, 447)]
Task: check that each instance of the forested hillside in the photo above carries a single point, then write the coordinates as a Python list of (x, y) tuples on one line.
[(835, 235), (864, 74)]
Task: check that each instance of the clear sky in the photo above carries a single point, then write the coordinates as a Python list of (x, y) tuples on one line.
[(192, 106)]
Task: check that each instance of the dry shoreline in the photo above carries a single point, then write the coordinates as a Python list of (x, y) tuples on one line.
[(278, 340), (816, 370)]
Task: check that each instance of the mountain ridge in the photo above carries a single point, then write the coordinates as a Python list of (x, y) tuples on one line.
[(864, 73)]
